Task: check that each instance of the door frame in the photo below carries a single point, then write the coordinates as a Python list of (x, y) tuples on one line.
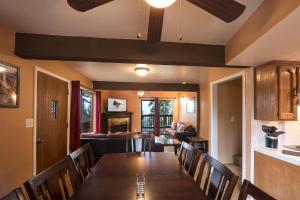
[(36, 70), (214, 116)]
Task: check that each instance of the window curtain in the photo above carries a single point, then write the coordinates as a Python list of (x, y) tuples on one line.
[(156, 118), (98, 112), (75, 116)]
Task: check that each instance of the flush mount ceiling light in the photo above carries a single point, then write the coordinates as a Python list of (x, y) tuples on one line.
[(160, 3), (141, 70), (141, 93)]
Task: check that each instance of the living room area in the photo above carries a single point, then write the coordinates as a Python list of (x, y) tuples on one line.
[(170, 116)]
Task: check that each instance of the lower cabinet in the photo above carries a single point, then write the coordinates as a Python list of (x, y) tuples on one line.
[(278, 178)]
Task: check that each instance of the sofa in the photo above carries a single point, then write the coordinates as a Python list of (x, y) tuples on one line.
[(180, 131), (111, 143)]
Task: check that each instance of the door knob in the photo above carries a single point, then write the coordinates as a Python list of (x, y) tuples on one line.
[(39, 141)]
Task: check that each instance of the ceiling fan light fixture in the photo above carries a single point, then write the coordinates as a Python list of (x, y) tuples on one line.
[(141, 70), (160, 3)]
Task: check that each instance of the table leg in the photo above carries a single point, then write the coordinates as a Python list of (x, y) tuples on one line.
[(175, 150)]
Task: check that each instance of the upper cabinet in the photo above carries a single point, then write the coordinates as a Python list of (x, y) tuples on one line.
[(276, 89)]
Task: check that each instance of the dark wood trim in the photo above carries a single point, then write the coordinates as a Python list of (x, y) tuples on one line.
[(156, 20), (67, 48), (134, 86)]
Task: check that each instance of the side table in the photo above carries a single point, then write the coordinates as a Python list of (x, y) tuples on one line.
[(199, 143)]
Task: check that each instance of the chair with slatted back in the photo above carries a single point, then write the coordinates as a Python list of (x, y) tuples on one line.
[(186, 157), (83, 159), (146, 142), (16, 194), (219, 181), (195, 162), (248, 189), (58, 182)]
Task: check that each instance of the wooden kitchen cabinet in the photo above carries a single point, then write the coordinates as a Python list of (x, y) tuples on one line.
[(276, 88), (278, 178)]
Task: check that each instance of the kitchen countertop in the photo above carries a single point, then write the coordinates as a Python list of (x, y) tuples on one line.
[(276, 153)]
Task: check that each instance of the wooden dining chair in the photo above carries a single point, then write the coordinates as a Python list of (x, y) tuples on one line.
[(197, 155), (16, 194), (83, 159), (57, 182), (146, 142), (219, 181), (248, 189), (187, 157)]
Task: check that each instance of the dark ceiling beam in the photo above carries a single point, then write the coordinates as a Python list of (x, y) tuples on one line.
[(156, 20), (132, 86), (68, 48)]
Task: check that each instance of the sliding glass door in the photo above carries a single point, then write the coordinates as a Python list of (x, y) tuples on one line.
[(148, 114)]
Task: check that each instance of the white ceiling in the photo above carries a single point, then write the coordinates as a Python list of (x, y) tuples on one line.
[(125, 72), (282, 42), (119, 19)]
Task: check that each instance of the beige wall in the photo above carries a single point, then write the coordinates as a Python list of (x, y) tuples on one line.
[(269, 13), (16, 156), (183, 116), (229, 103)]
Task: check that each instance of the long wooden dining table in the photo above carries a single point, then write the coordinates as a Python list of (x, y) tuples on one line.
[(114, 177)]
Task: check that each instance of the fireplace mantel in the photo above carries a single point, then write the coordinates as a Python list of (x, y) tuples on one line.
[(109, 118)]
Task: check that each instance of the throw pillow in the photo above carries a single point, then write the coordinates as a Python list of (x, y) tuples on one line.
[(182, 127), (173, 126), (178, 126)]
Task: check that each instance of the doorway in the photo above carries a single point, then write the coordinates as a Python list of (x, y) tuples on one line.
[(229, 111), (51, 119), (228, 122)]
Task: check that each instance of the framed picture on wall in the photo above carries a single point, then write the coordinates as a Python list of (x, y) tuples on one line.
[(190, 105), (9, 85)]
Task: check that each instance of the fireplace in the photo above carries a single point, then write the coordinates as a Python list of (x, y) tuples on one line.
[(116, 122)]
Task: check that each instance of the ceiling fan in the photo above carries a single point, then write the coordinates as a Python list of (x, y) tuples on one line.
[(226, 10)]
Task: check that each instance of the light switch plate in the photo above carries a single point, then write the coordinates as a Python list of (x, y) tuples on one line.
[(232, 119), (29, 123)]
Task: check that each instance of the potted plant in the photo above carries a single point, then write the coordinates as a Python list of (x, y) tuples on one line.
[(271, 136)]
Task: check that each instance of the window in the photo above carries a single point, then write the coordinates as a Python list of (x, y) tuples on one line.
[(148, 114), (86, 111)]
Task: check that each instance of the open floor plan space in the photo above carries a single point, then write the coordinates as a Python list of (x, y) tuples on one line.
[(149, 100)]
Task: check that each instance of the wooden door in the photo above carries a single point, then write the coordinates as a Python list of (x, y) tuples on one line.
[(52, 110), (287, 98)]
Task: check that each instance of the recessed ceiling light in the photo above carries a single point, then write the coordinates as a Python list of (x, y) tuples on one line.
[(2, 69), (183, 83), (160, 3), (141, 70)]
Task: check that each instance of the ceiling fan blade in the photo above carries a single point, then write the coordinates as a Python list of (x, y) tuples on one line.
[(84, 5), (226, 10), (156, 20)]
